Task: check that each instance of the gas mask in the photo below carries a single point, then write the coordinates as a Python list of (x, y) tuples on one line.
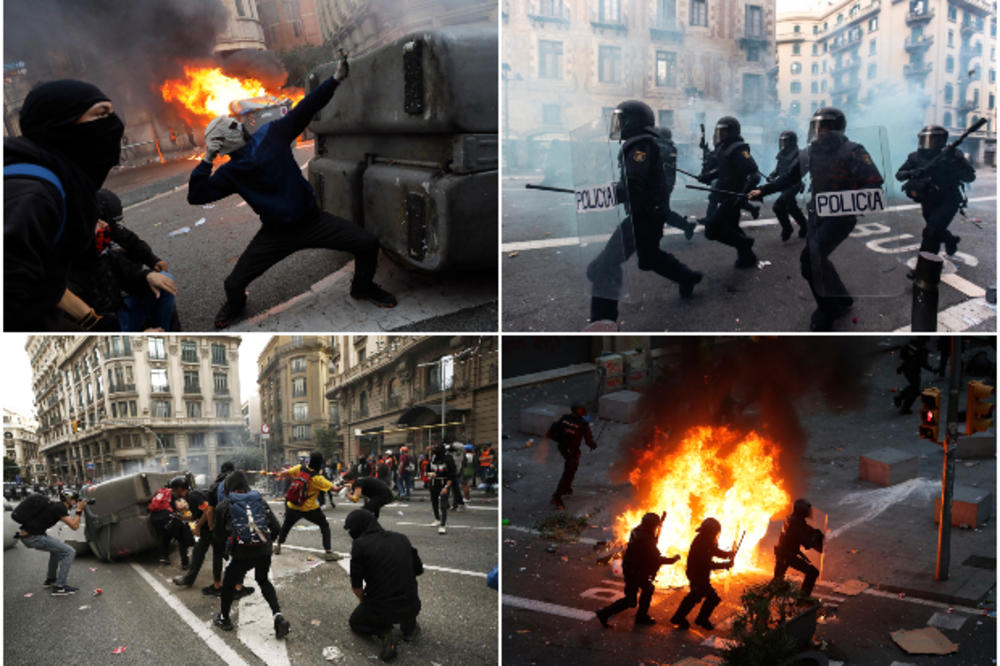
[(226, 134)]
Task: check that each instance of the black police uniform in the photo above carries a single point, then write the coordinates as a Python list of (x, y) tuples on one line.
[(640, 233), (641, 562), (700, 564), (834, 164), (785, 204), (942, 196), (914, 357), (794, 535), (567, 433), (668, 155), (734, 170)]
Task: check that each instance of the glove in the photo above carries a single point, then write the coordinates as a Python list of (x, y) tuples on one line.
[(342, 67), (212, 149)]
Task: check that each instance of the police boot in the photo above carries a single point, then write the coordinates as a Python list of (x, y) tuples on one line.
[(746, 258), (820, 321), (786, 232), (644, 619), (951, 245), (689, 230), (687, 284)]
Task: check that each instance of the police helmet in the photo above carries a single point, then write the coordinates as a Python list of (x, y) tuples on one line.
[(829, 119), (665, 133), (578, 408), (726, 127), (787, 139), (933, 136), (650, 521), (802, 508), (629, 119), (179, 481), (710, 525)]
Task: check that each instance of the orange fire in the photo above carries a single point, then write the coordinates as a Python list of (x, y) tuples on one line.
[(714, 472), (206, 92)]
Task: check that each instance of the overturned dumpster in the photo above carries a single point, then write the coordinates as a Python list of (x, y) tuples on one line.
[(407, 148)]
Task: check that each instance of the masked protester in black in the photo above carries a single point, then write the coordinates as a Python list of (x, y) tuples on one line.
[(834, 164), (69, 128), (641, 562), (937, 186), (733, 170), (797, 533), (441, 470), (384, 570), (643, 190), (785, 204), (700, 564), (567, 433)]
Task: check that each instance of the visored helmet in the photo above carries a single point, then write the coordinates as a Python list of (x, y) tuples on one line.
[(650, 521), (828, 119), (630, 118), (933, 136), (665, 133), (727, 127), (788, 139), (710, 525), (802, 508), (178, 482)]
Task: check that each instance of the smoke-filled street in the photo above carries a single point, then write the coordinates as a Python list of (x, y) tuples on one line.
[(142, 611), (821, 408), (545, 257)]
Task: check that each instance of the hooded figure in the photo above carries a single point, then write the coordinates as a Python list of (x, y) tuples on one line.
[(71, 139), (384, 570)]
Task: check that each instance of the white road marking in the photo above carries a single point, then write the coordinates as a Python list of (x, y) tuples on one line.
[(255, 629), (449, 526), (347, 558), (584, 540), (201, 628), (961, 316), (961, 284), (545, 607)]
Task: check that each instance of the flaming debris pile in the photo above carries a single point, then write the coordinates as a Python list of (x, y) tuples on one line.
[(206, 92), (709, 472)]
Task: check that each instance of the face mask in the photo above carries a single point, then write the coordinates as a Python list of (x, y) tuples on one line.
[(94, 146)]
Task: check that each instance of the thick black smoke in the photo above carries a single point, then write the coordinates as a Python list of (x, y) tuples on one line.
[(126, 48), (261, 65), (750, 384)]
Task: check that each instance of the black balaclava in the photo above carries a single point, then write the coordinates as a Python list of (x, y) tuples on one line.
[(109, 209), (49, 115), (315, 461), (358, 521)]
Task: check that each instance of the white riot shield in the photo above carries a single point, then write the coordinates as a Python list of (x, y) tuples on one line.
[(605, 232)]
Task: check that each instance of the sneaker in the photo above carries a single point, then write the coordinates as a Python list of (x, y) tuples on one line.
[(704, 624), (442, 530), (374, 294), (412, 636), (64, 590), (645, 619), (212, 591), (687, 286), (244, 591), (387, 647), (277, 549), (820, 321), (49, 582), (281, 626), (331, 556), (223, 623), (229, 312), (602, 618), (182, 581)]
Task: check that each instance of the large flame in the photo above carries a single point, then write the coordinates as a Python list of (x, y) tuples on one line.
[(713, 472), (205, 92)]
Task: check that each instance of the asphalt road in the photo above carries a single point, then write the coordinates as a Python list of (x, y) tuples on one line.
[(545, 255), (158, 622)]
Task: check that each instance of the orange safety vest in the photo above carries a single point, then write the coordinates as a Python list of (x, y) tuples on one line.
[(486, 458)]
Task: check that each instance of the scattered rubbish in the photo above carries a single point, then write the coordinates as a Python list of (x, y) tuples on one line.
[(306, 528), (523, 569), (717, 643), (118, 650), (179, 232), (84, 607), (947, 620), (29, 595), (564, 558), (98, 592), (316, 564), (854, 320), (332, 653), (512, 255), (209, 206), (199, 222), (851, 588), (901, 595), (530, 443), (310, 558), (923, 641), (92, 569), (509, 542), (157, 224), (550, 549), (505, 521), (762, 264), (315, 623)]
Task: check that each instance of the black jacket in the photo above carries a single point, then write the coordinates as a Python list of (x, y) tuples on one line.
[(36, 265), (120, 270), (797, 533), (221, 531), (946, 175), (386, 565), (734, 169), (642, 557), (700, 562), (568, 431)]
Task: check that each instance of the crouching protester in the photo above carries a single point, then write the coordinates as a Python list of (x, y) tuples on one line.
[(164, 516), (247, 525), (36, 514), (384, 570)]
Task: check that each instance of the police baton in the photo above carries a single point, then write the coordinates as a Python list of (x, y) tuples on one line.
[(546, 188), (686, 173), (717, 191)]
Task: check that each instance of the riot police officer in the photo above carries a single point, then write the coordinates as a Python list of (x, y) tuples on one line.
[(700, 564), (934, 174), (796, 534), (644, 193), (567, 433), (734, 170), (834, 164), (639, 565), (914, 358), (668, 153), (785, 205)]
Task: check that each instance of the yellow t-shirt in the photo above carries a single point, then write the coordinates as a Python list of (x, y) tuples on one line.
[(318, 484)]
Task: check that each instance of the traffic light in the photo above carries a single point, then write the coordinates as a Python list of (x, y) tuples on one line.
[(978, 412), (930, 411)]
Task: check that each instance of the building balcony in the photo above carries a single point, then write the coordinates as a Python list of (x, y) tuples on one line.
[(666, 31), (967, 106), (846, 88), (375, 362), (918, 70), (121, 388), (548, 12), (192, 390), (918, 43), (846, 66), (139, 452), (616, 23), (224, 392), (839, 46), (753, 41), (918, 17)]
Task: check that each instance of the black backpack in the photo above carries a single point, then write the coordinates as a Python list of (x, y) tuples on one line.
[(247, 521), (29, 508)]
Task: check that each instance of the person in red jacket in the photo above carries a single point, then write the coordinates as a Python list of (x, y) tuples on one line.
[(163, 510)]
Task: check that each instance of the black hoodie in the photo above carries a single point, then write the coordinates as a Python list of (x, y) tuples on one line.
[(35, 263), (386, 565)]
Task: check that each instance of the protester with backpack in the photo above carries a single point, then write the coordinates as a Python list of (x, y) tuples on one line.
[(215, 495), (71, 140), (306, 484), (384, 570), (247, 525), (166, 523), (36, 514)]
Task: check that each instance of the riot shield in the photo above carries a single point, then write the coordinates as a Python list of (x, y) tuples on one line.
[(603, 228)]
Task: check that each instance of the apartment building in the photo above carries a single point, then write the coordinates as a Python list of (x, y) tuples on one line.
[(20, 440)]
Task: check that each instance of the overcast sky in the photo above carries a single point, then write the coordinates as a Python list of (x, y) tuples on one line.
[(784, 6), (15, 389)]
